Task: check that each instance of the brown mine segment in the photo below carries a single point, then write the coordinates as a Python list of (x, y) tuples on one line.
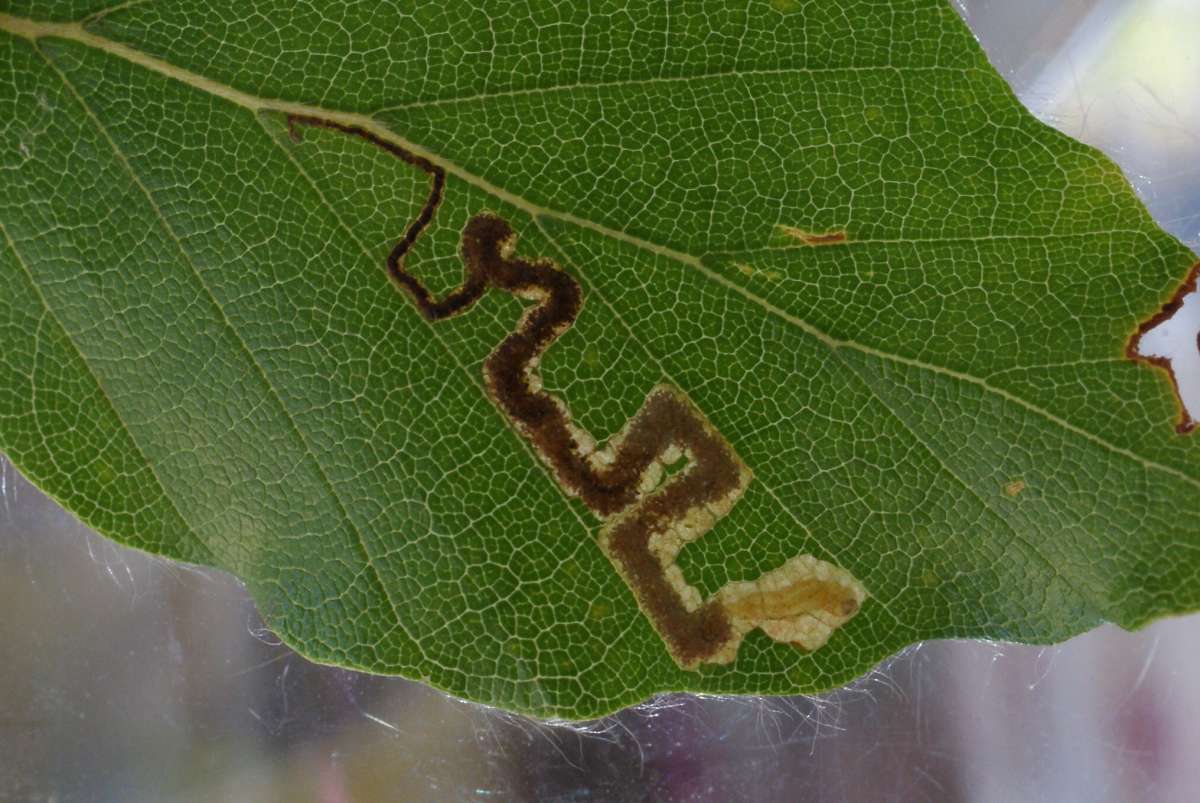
[(437, 183), (664, 420)]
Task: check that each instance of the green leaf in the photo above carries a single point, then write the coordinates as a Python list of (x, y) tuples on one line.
[(827, 228)]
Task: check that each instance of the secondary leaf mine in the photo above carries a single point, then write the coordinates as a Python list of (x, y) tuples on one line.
[(649, 514), (812, 238)]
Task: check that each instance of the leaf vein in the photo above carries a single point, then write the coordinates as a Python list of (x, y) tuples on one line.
[(185, 259), (104, 391), (665, 79), (987, 506)]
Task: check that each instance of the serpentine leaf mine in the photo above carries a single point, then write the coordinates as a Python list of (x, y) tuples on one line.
[(649, 514)]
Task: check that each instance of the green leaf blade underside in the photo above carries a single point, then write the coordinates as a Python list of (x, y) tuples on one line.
[(205, 358)]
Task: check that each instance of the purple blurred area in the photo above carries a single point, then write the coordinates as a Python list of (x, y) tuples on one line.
[(126, 678)]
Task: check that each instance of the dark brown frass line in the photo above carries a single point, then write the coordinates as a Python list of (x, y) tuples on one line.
[(648, 520), (437, 185)]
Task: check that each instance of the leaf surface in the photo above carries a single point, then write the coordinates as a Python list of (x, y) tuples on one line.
[(900, 299)]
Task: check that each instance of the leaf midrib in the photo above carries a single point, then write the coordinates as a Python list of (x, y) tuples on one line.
[(76, 32)]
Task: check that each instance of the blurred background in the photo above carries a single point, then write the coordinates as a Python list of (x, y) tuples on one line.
[(125, 678)]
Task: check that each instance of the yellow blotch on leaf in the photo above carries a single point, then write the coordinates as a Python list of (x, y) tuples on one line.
[(802, 602), (1013, 489)]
